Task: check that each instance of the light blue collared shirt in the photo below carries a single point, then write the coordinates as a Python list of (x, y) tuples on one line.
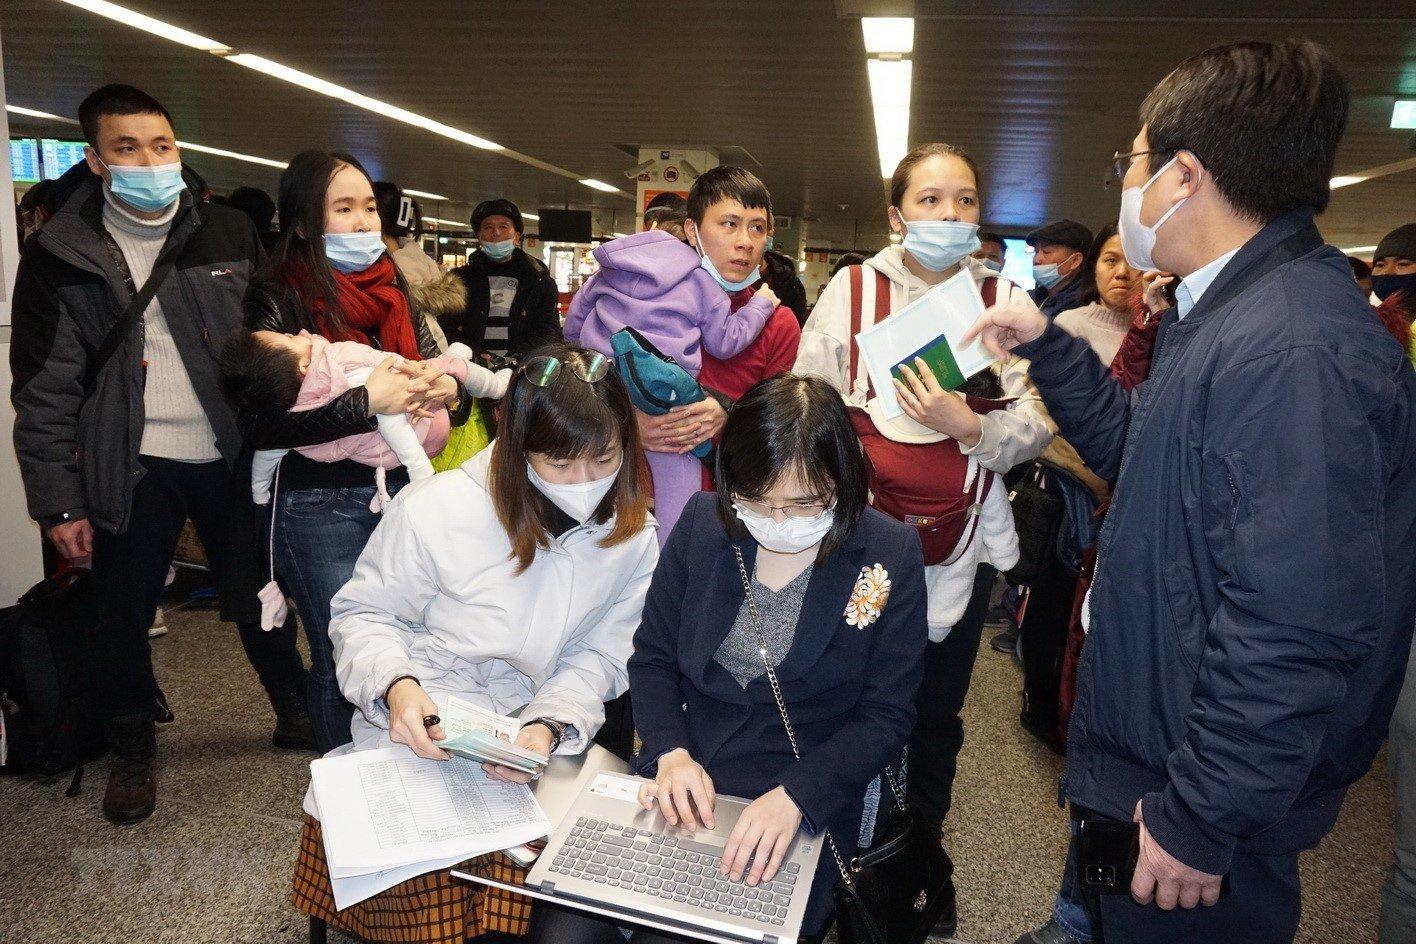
[(1193, 287)]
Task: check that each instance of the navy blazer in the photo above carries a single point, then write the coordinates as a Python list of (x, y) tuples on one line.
[(850, 691)]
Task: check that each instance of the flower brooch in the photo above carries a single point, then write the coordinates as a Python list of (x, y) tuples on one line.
[(871, 593)]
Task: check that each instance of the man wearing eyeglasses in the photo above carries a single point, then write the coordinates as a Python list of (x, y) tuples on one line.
[(1255, 589)]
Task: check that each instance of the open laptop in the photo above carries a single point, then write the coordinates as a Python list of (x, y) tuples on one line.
[(613, 858)]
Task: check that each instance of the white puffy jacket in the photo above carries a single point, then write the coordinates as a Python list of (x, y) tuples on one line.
[(436, 595)]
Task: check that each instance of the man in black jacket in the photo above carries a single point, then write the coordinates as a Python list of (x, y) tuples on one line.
[(122, 431), (511, 297), (1058, 251), (1255, 591)]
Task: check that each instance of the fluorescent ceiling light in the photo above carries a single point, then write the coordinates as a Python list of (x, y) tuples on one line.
[(424, 194), (39, 114), (1403, 114), (1359, 249), (221, 152), (619, 235), (434, 219), (890, 100), (316, 84), (886, 34), (158, 28), (598, 185), (530, 216), (1345, 181)]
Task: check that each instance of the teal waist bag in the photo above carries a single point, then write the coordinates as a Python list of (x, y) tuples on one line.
[(655, 381)]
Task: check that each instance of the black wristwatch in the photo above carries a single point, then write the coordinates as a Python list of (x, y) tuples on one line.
[(555, 727)]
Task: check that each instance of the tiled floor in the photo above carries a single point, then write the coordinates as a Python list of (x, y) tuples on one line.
[(212, 864)]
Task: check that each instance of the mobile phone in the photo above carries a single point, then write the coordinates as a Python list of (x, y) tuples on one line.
[(1167, 291), (1107, 851)]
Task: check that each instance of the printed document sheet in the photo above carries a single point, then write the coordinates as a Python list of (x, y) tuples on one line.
[(929, 327), (388, 815)]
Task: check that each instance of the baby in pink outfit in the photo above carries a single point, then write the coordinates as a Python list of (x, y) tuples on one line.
[(303, 371)]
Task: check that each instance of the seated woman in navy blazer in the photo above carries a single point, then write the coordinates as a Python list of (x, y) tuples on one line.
[(840, 590)]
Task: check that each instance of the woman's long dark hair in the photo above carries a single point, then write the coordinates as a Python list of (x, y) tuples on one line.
[(569, 419), (790, 423), (299, 260)]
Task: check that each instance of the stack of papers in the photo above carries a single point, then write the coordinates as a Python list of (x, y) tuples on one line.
[(479, 734), (929, 327), (388, 815)]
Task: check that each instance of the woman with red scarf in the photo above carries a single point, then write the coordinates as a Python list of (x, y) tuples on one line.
[(331, 275)]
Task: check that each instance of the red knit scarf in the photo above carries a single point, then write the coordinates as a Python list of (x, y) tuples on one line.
[(374, 306)]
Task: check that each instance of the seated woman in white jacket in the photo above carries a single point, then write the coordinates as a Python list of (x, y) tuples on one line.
[(934, 208), (515, 581)]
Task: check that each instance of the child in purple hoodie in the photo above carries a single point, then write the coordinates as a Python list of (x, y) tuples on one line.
[(654, 283)]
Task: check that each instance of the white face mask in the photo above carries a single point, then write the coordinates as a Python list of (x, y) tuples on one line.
[(579, 500), (1138, 239), (790, 535)]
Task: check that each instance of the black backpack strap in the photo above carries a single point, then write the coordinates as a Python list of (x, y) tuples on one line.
[(139, 303)]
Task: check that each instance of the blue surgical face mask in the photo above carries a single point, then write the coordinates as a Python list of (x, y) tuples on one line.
[(727, 286), (353, 252), (1046, 275), (499, 250), (992, 265), (939, 244), (147, 189)]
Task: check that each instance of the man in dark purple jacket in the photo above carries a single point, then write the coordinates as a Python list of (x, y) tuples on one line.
[(1255, 590)]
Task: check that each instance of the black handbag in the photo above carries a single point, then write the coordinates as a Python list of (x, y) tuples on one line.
[(1037, 516), (895, 891)]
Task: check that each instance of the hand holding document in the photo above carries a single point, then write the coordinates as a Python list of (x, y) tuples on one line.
[(933, 328), (479, 734), (388, 815)]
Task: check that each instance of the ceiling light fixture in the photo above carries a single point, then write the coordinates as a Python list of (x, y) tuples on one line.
[(530, 216), (434, 219), (1345, 181), (274, 69), (600, 185), (222, 152), (316, 84), (890, 81), (146, 23), (1403, 114), (424, 194), (1359, 249), (888, 34), (32, 113)]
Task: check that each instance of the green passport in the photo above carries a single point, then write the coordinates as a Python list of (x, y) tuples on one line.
[(940, 358)]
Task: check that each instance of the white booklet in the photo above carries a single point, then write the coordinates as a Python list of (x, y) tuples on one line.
[(387, 815), (481, 734), (930, 327)]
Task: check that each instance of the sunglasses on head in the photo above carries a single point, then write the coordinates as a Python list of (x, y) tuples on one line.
[(542, 370)]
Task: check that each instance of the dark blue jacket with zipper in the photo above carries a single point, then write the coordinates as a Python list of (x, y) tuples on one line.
[(1256, 586)]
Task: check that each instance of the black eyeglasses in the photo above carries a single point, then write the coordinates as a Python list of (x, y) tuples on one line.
[(542, 371), (1116, 170)]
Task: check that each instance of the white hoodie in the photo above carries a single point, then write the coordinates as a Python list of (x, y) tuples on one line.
[(1016, 434), (436, 595)]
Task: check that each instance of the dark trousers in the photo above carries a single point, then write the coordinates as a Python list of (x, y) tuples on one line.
[(552, 924), (1044, 639), (938, 734), (1262, 907), (319, 535), (130, 570)]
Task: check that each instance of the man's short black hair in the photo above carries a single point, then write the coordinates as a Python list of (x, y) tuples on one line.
[(986, 236), (728, 183), (668, 200), (117, 99), (1263, 118), (259, 376)]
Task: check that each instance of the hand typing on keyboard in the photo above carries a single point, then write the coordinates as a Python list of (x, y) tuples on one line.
[(680, 778), (760, 840), (672, 868)]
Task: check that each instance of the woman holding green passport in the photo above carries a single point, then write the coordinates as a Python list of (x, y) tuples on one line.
[(934, 212)]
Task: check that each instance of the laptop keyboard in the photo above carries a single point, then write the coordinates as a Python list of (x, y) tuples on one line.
[(674, 869)]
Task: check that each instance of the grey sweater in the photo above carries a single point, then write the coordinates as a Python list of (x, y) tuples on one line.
[(175, 426), (779, 611)]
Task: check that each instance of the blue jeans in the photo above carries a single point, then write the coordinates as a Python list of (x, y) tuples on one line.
[(319, 535), (1070, 910)]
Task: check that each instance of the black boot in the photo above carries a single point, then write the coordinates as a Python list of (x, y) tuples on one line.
[(132, 786), (293, 729)]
